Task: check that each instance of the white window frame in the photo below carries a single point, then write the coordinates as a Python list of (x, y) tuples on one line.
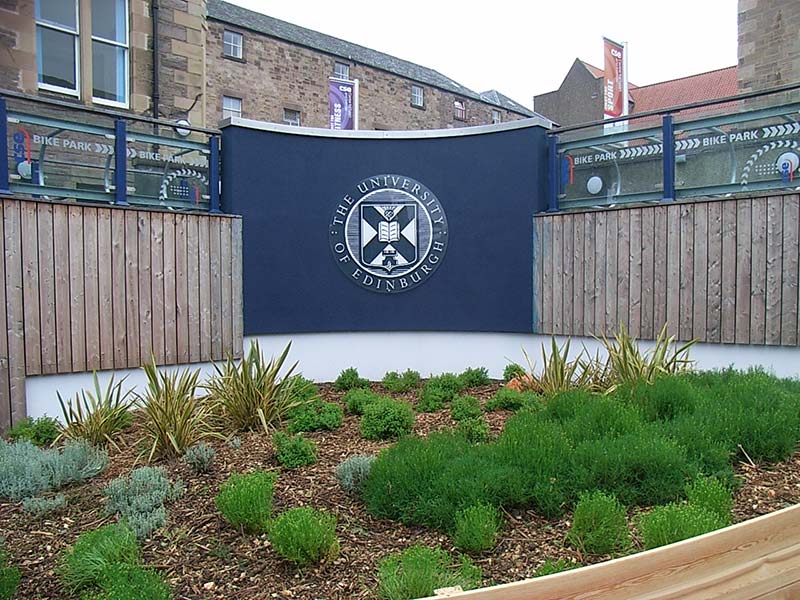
[(292, 122), (339, 75), (459, 110), (239, 46), (76, 39), (231, 112), (417, 100), (497, 117), (127, 62)]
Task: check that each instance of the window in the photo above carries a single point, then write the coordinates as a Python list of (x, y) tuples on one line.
[(57, 45), (59, 25), (417, 96), (460, 110), (291, 117), (496, 118), (110, 52), (231, 107), (232, 44), (341, 70)]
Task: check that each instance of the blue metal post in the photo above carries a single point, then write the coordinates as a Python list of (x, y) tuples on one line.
[(668, 141), (4, 188), (213, 174), (120, 163), (553, 172)]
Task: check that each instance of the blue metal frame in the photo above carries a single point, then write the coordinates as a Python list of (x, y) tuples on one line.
[(120, 163), (4, 187), (668, 157)]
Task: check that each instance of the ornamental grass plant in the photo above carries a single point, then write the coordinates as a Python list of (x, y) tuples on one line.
[(83, 564)]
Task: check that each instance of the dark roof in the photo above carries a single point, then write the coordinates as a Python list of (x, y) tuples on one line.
[(236, 15), (495, 97)]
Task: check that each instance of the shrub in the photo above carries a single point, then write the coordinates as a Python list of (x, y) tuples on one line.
[(304, 389), (477, 528), (41, 432), (551, 567), (9, 577), (599, 525), (512, 371), (353, 472), (199, 457), (245, 500), (597, 417), (675, 522), (465, 407), (26, 470), (418, 571), (449, 382), (474, 377), (252, 395), (304, 536), (385, 419), (713, 495), (348, 379), (175, 419), (433, 398), (357, 399), (508, 399), (316, 415), (94, 552), (132, 582), (235, 442), (401, 383), (295, 451), (475, 430), (97, 417), (38, 507), (641, 468), (139, 499), (664, 399)]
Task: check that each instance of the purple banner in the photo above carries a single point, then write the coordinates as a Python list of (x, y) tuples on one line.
[(341, 96)]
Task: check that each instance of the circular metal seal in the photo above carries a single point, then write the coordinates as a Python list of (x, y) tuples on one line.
[(388, 234)]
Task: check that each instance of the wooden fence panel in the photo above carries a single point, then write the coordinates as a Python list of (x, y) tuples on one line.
[(91, 288), (722, 271)]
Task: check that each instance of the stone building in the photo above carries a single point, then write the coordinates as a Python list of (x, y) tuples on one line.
[(769, 44), (198, 59)]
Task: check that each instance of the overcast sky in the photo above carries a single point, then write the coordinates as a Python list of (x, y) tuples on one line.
[(526, 48)]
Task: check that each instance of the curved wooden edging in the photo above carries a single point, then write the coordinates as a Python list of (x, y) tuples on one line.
[(755, 559)]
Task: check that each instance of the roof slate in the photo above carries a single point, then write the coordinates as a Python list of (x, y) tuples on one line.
[(242, 17)]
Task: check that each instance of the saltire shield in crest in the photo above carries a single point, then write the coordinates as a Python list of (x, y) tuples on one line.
[(388, 235)]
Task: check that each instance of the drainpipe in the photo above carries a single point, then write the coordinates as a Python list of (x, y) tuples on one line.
[(155, 60)]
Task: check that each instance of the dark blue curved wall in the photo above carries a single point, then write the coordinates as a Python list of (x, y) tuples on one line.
[(287, 186)]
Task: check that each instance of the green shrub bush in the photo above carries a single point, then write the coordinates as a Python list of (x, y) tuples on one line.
[(567, 405), (139, 499), (477, 528), (465, 407), (304, 536), (475, 430), (349, 379), (664, 399), (713, 495), (10, 577), (199, 458), (356, 400), (26, 470), (304, 390), (353, 472), (40, 432), (401, 383), (433, 398), (675, 522), (418, 571), (387, 419), (508, 399), (551, 567), (39, 507), (315, 415), (132, 582), (94, 552), (474, 377), (513, 370), (295, 451), (599, 525), (245, 500), (449, 382), (600, 418)]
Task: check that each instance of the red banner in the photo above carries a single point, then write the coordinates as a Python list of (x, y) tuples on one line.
[(614, 80)]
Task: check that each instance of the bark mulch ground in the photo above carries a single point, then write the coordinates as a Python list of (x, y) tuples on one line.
[(202, 557)]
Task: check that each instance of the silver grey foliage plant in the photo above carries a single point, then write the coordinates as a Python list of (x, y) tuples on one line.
[(353, 472), (200, 457)]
